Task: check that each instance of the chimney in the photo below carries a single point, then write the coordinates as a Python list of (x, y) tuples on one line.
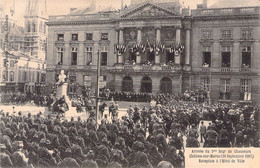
[(205, 4), (122, 4)]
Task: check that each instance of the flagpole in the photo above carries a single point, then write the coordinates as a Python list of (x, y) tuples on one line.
[(97, 91)]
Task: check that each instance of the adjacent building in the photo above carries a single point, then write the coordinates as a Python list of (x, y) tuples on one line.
[(23, 49), (153, 46)]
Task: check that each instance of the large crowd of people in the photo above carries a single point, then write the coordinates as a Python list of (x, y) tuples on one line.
[(160, 98), (144, 137), (18, 98)]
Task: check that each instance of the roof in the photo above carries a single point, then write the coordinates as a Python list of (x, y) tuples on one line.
[(172, 7), (155, 1), (91, 10), (235, 3)]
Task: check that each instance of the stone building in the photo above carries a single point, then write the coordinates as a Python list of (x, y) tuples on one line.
[(160, 46), (23, 68)]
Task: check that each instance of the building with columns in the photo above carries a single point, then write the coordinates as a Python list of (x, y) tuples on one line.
[(159, 46)]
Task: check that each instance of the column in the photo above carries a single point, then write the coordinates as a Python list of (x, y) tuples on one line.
[(120, 58), (121, 36), (157, 57), (138, 58), (178, 35), (139, 35), (121, 41), (177, 58), (158, 34), (187, 47)]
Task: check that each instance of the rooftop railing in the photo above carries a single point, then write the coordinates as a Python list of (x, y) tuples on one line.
[(87, 17), (225, 11)]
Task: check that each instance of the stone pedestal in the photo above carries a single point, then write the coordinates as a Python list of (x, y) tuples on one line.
[(62, 90)]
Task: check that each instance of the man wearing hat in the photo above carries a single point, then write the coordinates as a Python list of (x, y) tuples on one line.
[(203, 130), (5, 160), (68, 161)]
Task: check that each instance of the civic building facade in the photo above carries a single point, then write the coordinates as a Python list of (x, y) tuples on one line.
[(159, 47)]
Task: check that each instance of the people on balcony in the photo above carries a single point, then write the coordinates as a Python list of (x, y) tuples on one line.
[(246, 66), (89, 63), (205, 65), (226, 64)]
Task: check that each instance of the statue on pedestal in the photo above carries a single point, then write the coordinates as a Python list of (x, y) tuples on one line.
[(61, 105), (62, 78)]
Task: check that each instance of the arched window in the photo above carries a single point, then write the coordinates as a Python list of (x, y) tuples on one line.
[(146, 84), (166, 85), (33, 27), (11, 76), (127, 84), (28, 27)]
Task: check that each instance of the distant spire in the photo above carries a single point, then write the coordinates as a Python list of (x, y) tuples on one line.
[(36, 8)]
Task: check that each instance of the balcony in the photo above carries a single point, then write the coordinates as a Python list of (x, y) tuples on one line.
[(148, 68), (246, 70), (225, 69)]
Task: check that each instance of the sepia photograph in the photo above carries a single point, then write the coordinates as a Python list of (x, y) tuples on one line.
[(129, 83)]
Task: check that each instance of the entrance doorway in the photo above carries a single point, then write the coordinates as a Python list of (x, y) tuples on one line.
[(127, 84), (146, 85), (166, 85)]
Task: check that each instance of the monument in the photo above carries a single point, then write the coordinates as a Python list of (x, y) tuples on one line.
[(63, 104), (61, 86)]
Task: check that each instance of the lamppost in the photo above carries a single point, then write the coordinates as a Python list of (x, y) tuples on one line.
[(97, 89), (88, 92)]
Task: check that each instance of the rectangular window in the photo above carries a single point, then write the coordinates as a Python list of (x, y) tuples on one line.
[(246, 57), (207, 34), (246, 89), (74, 37), (38, 77), (205, 83), (89, 53), (103, 81), (87, 81), (206, 52), (60, 37), (224, 89), (226, 56), (74, 55), (60, 55), (72, 84), (104, 36), (245, 85), (5, 75), (89, 36), (24, 76), (104, 50), (246, 34), (226, 34), (43, 77), (5, 62)]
